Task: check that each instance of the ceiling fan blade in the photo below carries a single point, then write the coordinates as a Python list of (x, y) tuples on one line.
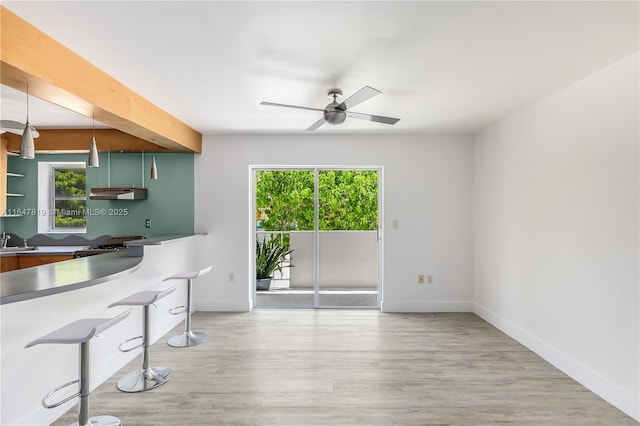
[(16, 128), (316, 125), (290, 106), (376, 118), (360, 96)]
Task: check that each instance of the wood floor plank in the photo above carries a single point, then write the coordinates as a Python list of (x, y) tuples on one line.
[(352, 367)]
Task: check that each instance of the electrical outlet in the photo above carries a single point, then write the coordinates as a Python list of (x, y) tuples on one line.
[(147, 223), (420, 279), (231, 277), (429, 279)]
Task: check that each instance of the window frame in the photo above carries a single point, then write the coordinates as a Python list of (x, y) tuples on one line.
[(47, 197)]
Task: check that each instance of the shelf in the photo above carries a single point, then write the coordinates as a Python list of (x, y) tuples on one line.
[(15, 174), (9, 194)]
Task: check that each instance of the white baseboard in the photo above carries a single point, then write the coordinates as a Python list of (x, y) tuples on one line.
[(229, 305), (601, 386), (439, 306)]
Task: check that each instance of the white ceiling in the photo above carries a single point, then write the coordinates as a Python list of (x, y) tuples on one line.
[(441, 66)]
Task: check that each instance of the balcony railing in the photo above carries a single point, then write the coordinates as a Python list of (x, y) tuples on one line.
[(348, 260)]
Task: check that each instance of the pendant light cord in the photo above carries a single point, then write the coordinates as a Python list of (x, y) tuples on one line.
[(27, 102)]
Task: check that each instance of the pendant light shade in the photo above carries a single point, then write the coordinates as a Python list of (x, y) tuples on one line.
[(94, 160), (154, 169), (27, 146)]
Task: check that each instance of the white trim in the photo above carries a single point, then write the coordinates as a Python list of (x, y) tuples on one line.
[(620, 398), (316, 238), (379, 169), (252, 238), (380, 235), (45, 191), (428, 307)]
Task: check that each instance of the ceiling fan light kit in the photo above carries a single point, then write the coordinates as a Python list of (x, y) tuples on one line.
[(336, 113)]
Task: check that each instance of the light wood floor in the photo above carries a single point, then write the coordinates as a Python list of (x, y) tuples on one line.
[(352, 367)]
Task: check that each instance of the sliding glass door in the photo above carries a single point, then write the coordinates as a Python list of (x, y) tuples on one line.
[(285, 220), (323, 226), (347, 238)]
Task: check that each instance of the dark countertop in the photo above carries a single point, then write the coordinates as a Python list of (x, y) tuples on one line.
[(167, 239), (52, 278), (43, 251), (59, 277)]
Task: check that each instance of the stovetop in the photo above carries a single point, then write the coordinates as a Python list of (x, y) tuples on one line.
[(106, 247), (112, 245)]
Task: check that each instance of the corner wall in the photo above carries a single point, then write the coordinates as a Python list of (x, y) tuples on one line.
[(427, 192), (556, 230)]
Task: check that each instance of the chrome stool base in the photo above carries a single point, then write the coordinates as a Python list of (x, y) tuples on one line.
[(143, 380), (187, 338), (101, 421)]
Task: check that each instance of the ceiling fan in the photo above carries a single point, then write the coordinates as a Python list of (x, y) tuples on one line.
[(16, 127), (336, 113)]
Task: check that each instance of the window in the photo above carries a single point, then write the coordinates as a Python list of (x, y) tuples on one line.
[(62, 197)]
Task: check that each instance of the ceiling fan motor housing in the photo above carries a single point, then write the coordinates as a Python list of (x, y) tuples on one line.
[(334, 116)]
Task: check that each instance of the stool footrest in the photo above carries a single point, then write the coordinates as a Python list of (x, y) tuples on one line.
[(121, 347), (182, 310), (46, 403)]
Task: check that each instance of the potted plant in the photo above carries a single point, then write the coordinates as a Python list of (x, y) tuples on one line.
[(269, 256)]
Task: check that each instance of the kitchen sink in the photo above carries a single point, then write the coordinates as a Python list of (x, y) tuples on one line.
[(5, 249)]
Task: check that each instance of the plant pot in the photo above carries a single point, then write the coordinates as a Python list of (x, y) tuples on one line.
[(263, 284)]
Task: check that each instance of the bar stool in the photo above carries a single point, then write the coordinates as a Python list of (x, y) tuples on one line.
[(188, 337), (81, 331), (146, 378)]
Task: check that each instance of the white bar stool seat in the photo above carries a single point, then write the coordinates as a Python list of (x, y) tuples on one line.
[(81, 332), (188, 337), (147, 377)]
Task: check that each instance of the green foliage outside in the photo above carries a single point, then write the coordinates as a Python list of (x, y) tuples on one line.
[(348, 199), (70, 198), (287, 198)]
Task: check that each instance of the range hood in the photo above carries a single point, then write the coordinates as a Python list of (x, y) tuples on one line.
[(128, 193)]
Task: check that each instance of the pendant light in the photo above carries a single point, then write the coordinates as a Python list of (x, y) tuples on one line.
[(154, 169), (27, 146), (94, 160)]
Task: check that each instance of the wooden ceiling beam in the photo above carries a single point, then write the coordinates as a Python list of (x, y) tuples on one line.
[(59, 76), (78, 140)]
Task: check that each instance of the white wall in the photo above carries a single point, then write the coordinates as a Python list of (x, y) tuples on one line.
[(555, 230), (427, 190)]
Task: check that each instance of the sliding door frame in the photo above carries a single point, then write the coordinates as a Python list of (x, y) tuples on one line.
[(253, 169)]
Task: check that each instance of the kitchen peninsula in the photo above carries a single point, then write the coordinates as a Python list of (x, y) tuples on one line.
[(35, 301)]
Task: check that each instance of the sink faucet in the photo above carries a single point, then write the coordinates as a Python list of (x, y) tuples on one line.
[(4, 240)]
